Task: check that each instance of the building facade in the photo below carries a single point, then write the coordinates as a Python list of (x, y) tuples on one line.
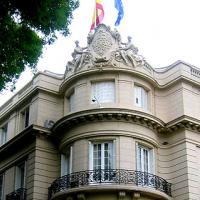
[(112, 127)]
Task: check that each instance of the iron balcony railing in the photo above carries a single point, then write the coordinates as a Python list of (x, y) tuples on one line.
[(112, 176), (19, 194)]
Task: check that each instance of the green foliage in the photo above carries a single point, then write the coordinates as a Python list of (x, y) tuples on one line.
[(21, 23)]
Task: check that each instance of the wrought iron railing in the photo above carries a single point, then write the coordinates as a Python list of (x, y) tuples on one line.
[(113, 176), (19, 194)]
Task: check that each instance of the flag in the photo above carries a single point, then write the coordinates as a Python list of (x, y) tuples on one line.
[(119, 7), (98, 14)]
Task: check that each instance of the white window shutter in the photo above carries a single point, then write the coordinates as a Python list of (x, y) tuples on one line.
[(138, 158), (70, 159), (141, 97), (151, 161), (144, 98), (114, 154), (63, 165), (138, 96), (90, 156)]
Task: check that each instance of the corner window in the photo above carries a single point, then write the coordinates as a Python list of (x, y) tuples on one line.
[(66, 162), (71, 99), (103, 92), (3, 134), (25, 118), (141, 97), (145, 162), (1, 186), (20, 175)]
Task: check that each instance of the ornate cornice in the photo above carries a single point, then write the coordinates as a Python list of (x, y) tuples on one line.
[(24, 138), (108, 114), (183, 122), (126, 115)]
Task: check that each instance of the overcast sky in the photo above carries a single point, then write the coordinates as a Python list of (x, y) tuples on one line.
[(163, 30)]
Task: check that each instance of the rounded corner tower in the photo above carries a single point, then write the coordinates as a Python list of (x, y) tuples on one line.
[(108, 135)]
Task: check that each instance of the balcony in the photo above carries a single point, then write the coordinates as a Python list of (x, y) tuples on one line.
[(19, 194), (111, 176)]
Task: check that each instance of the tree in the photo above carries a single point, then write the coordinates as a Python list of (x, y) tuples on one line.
[(25, 26)]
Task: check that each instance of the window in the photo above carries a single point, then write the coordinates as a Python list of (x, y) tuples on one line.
[(145, 162), (25, 117), (1, 186), (20, 175), (102, 162), (66, 162), (103, 92), (141, 97), (3, 134), (101, 156), (71, 102)]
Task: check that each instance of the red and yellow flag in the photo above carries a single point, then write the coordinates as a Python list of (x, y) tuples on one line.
[(98, 14)]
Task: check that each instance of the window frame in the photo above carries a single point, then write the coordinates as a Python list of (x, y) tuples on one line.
[(3, 134), (95, 94), (66, 161), (140, 165), (91, 153), (71, 101), (19, 183), (24, 117), (142, 96)]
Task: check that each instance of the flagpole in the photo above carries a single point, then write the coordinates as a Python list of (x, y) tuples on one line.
[(95, 14), (98, 14)]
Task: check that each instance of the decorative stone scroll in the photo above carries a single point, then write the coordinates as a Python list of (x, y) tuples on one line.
[(104, 49)]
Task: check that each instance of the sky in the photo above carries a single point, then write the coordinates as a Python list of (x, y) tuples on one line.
[(163, 30)]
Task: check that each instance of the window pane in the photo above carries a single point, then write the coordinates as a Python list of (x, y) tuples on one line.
[(146, 160)]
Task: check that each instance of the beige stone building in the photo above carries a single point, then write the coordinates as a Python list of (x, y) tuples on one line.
[(112, 127)]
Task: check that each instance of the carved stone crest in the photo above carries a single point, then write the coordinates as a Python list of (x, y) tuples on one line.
[(101, 43), (104, 49)]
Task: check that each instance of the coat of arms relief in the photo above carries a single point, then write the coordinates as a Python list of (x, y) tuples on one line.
[(104, 49)]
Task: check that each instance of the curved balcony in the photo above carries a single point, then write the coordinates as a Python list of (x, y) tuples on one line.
[(112, 176)]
